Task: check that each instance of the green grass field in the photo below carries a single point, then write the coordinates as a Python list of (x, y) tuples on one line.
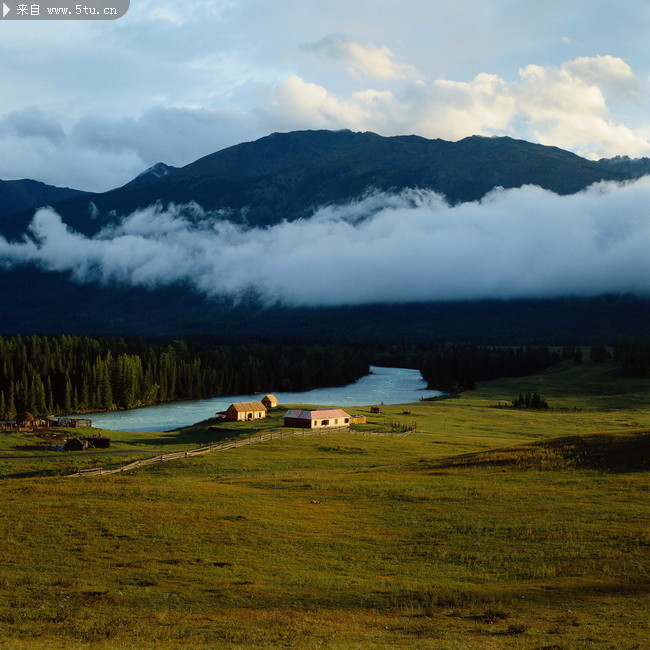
[(488, 528)]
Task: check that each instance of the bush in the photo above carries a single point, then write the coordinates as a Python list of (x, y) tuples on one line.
[(530, 401)]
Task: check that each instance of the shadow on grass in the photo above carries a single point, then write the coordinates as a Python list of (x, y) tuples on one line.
[(201, 433), (615, 453), (39, 473)]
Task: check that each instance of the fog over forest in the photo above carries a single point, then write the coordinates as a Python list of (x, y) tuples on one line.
[(411, 246)]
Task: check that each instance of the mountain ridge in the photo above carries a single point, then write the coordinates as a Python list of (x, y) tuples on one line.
[(287, 176), (27, 193)]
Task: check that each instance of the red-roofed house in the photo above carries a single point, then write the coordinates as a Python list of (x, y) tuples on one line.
[(320, 419)]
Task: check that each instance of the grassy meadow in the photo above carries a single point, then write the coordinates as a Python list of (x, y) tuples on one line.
[(487, 528)]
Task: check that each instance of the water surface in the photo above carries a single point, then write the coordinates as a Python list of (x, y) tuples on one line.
[(383, 385)]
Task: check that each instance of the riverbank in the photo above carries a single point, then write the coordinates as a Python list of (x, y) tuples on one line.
[(381, 386)]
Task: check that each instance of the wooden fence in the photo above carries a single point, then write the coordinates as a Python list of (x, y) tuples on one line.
[(222, 446)]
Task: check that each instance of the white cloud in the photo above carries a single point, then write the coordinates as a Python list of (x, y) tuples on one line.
[(574, 105), (522, 243), (565, 106), (361, 59)]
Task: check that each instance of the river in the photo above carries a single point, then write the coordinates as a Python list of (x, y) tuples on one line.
[(387, 385)]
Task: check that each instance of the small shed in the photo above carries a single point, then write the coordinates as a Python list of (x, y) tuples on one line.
[(319, 419), (375, 409), (75, 444), (270, 401), (357, 419), (241, 411)]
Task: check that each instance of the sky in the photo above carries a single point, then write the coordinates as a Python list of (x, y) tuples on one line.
[(91, 104)]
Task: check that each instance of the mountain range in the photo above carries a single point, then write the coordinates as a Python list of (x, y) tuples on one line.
[(287, 176)]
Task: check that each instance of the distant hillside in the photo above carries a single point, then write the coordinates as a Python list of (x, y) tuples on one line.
[(9, 200), (28, 194), (607, 452), (626, 166), (288, 175), (37, 302)]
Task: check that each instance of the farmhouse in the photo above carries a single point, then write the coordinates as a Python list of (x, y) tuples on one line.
[(270, 401), (240, 411), (321, 419)]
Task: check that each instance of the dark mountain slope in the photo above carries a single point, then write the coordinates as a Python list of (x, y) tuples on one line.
[(36, 302), (630, 167), (35, 193), (9, 200), (287, 175), (27, 194)]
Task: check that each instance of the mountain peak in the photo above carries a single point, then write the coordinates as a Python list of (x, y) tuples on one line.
[(152, 174)]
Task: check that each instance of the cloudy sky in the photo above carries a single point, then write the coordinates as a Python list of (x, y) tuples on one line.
[(91, 104)]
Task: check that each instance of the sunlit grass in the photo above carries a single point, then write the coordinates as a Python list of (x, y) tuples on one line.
[(487, 528)]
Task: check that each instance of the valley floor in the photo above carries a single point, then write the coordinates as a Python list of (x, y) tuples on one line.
[(487, 528)]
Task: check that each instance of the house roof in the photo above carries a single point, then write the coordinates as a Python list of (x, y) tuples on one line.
[(273, 398), (320, 414), (247, 406)]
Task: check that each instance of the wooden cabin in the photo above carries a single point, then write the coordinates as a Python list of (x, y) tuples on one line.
[(242, 411), (319, 419), (357, 419), (270, 401)]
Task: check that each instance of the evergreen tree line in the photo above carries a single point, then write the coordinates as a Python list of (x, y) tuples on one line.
[(67, 374), (455, 368), (634, 356), (458, 367)]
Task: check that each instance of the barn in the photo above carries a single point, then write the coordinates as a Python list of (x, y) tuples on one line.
[(241, 411), (319, 419), (270, 401)]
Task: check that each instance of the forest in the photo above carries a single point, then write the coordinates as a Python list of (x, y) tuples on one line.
[(455, 368), (73, 374)]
